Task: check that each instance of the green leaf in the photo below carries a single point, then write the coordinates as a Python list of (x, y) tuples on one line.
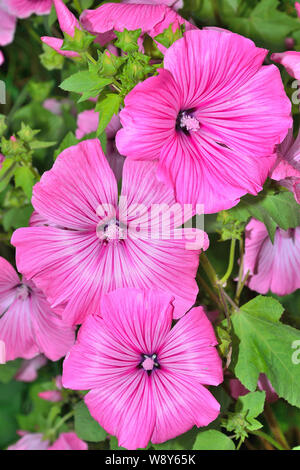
[(86, 427), (265, 24), (6, 172), (274, 210), (68, 141), (40, 91), (213, 440), (168, 36), (107, 105), (40, 144), (183, 442), (17, 217), (265, 345), (24, 179), (9, 370), (86, 82)]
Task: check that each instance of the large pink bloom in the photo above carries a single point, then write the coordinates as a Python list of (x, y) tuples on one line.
[(28, 325), (153, 19), (7, 25), (87, 122), (287, 166), (211, 118), (237, 389), (290, 60), (35, 441), (95, 246), (146, 379), (25, 8), (274, 267)]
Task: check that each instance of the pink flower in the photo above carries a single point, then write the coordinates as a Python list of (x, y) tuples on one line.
[(2, 60), (204, 119), (153, 19), (25, 8), (35, 441), (68, 441), (29, 368), (146, 380), (87, 122), (175, 4), (290, 60), (67, 22), (237, 389), (30, 441), (95, 246), (28, 326), (297, 6), (273, 267), (7, 26), (53, 105), (53, 395), (287, 166)]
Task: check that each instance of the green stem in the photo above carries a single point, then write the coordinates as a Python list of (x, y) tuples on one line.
[(208, 268), (88, 56), (209, 291), (268, 438), (63, 420), (18, 103), (231, 261)]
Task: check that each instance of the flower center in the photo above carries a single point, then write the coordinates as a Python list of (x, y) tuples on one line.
[(149, 362), (187, 122), (23, 292), (111, 231)]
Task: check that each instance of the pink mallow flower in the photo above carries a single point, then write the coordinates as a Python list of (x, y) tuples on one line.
[(2, 352), (287, 166), (152, 18), (273, 267), (297, 6), (28, 371), (147, 381), (28, 325), (36, 441), (67, 22), (92, 245), (237, 389), (87, 122), (212, 118), (25, 8)]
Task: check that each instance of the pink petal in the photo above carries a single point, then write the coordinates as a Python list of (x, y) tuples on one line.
[(290, 60), (68, 441), (8, 281), (54, 396), (67, 21), (7, 28), (56, 44), (31, 441), (2, 352), (29, 368), (25, 8)]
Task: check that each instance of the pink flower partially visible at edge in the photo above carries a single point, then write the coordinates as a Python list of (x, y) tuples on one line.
[(158, 389), (290, 60), (7, 26), (35, 441), (2, 353), (297, 6), (273, 267), (28, 325)]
